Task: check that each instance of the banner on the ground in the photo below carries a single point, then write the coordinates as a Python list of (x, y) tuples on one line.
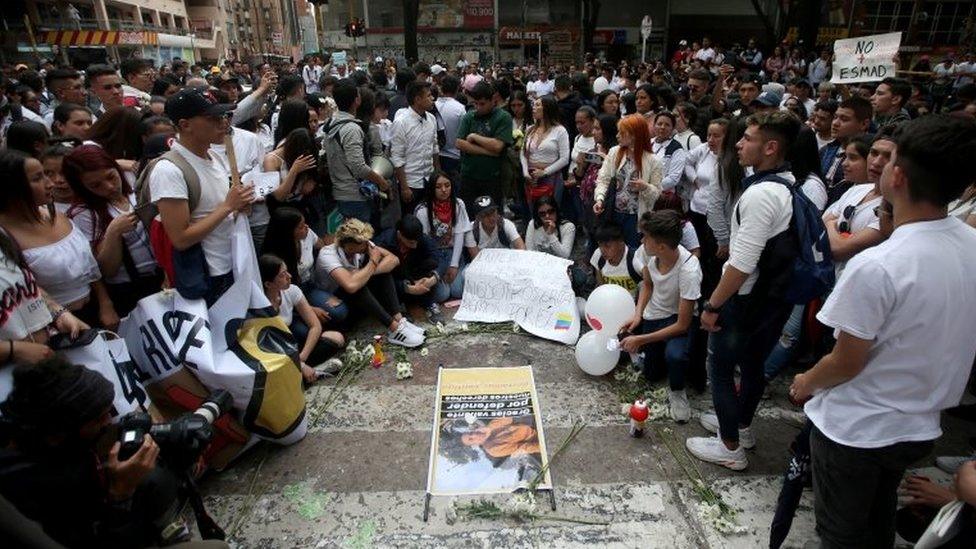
[(529, 288), (487, 436), (865, 58)]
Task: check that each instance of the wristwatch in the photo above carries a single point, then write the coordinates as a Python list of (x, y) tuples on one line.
[(708, 308)]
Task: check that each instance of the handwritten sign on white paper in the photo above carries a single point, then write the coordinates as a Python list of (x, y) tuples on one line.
[(264, 182), (865, 58)]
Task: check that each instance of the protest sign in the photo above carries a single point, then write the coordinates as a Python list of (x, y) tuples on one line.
[(264, 182), (865, 58), (529, 288), (338, 58), (487, 436)]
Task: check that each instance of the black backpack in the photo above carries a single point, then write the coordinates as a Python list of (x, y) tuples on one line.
[(634, 275)]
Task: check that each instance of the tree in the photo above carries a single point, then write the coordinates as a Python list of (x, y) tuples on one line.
[(411, 12), (591, 13)]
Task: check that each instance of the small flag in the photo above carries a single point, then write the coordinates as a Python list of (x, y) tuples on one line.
[(563, 321)]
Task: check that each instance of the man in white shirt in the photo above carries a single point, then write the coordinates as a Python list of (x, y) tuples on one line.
[(903, 313), (965, 71), (311, 73), (820, 68), (542, 86), (746, 313), (603, 81), (197, 116), (413, 148), (490, 229), (706, 54), (449, 111)]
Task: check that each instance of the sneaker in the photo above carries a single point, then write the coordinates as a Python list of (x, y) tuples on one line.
[(713, 450), (746, 438), (405, 337), (680, 409), (434, 313), (412, 327), (329, 368), (637, 362), (950, 464)]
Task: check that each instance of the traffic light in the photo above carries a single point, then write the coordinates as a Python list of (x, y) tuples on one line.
[(349, 29), (355, 28)]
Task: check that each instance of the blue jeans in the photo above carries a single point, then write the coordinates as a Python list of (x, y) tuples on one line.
[(750, 324), (320, 298), (784, 351), (628, 225), (568, 200), (360, 209), (456, 288), (672, 354)]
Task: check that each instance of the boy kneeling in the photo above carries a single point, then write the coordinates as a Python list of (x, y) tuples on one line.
[(670, 287)]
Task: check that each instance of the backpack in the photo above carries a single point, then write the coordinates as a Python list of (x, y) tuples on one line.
[(441, 131), (797, 263), (502, 235), (634, 274), (145, 208)]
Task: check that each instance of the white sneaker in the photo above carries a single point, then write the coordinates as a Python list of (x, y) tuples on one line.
[(746, 438), (680, 409), (412, 327), (405, 337), (713, 450)]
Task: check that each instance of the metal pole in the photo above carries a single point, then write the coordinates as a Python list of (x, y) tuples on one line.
[(522, 34), (644, 51), (540, 51), (850, 19)]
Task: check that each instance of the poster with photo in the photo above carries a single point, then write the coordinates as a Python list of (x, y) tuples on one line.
[(487, 435)]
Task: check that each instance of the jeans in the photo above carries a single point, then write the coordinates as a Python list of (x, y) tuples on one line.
[(320, 298), (671, 354), (360, 209), (324, 348), (377, 299), (257, 235), (855, 490), (784, 351), (628, 225), (440, 293), (750, 326), (456, 288), (569, 202)]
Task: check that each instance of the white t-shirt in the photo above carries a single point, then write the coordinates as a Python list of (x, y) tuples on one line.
[(166, 181), (814, 189), (913, 297), (330, 258), (306, 262), (580, 145), (764, 210), (249, 152), (490, 239), (863, 215), (618, 274), (541, 88), (683, 281), (136, 240), (289, 299)]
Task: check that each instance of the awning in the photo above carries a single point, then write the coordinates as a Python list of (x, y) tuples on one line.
[(99, 38)]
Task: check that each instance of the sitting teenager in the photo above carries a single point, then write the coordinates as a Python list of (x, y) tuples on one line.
[(316, 345), (416, 275), (290, 238), (665, 308), (104, 210), (294, 160), (445, 219), (547, 231), (358, 272), (614, 261), (56, 251), (490, 229)]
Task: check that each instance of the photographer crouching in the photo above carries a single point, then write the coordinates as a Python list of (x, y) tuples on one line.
[(50, 469)]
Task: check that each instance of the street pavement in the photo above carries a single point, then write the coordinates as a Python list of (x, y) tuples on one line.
[(358, 479)]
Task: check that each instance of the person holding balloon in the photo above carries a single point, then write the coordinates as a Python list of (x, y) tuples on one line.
[(661, 324)]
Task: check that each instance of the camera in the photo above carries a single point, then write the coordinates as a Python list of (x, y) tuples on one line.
[(180, 441)]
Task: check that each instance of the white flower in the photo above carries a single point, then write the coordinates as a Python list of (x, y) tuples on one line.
[(516, 329), (425, 351), (464, 326), (521, 505), (404, 370), (368, 351), (711, 514)]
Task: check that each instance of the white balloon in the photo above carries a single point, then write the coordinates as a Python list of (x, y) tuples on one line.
[(593, 356), (609, 308)]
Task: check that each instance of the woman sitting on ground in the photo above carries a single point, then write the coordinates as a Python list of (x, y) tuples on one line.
[(358, 272), (445, 219), (318, 345), (547, 231)]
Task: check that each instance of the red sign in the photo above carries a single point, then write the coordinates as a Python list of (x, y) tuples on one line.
[(479, 14)]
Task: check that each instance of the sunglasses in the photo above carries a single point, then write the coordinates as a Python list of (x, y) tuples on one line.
[(845, 224)]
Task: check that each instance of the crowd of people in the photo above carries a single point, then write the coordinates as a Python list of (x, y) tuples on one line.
[(690, 183)]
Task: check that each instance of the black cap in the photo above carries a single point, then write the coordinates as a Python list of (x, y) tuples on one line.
[(191, 102), (483, 204)]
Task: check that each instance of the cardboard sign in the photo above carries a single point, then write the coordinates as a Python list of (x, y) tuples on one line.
[(487, 436), (865, 58)]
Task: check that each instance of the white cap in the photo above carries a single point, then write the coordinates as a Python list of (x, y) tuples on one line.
[(436, 69)]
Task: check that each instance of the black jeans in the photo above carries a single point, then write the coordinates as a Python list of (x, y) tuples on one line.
[(751, 325), (377, 299), (855, 490)]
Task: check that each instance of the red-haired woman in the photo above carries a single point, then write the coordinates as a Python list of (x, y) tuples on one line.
[(629, 181), (104, 210)]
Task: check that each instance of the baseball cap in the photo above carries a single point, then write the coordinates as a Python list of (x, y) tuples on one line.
[(215, 70), (769, 98), (191, 102), (484, 204), (436, 69)]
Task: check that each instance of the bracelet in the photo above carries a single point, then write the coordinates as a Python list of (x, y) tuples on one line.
[(57, 314)]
